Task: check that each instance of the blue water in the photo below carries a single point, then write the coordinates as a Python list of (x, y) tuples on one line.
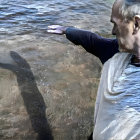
[(18, 17)]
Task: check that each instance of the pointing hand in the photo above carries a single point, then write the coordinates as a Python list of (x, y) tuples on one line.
[(57, 29)]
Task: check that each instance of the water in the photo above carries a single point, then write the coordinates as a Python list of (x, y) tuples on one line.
[(64, 78), (20, 17)]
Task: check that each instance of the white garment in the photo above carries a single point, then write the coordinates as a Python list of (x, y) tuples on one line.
[(117, 109)]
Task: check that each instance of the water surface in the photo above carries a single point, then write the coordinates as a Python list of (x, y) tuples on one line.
[(64, 77)]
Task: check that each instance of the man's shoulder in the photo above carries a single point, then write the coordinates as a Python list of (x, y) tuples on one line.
[(118, 59)]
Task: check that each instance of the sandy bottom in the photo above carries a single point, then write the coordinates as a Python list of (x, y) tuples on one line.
[(47, 89)]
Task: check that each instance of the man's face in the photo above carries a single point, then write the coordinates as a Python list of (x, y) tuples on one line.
[(122, 29)]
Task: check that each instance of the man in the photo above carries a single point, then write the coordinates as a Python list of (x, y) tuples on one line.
[(117, 110)]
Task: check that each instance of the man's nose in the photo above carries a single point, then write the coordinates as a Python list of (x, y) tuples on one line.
[(114, 31)]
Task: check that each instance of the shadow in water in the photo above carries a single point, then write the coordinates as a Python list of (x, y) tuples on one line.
[(33, 99)]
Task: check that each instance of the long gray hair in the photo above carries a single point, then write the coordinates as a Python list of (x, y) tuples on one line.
[(130, 8)]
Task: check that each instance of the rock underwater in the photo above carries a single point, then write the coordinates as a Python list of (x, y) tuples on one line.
[(45, 103)]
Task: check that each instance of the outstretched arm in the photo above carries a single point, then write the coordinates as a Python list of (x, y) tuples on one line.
[(101, 47)]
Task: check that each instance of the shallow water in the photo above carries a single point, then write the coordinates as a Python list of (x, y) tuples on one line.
[(65, 76)]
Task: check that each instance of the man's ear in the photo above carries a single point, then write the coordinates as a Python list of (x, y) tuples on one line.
[(136, 24)]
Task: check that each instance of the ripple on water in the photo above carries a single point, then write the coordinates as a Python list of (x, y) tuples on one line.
[(25, 17)]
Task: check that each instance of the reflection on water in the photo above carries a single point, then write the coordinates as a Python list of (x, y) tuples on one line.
[(66, 77)]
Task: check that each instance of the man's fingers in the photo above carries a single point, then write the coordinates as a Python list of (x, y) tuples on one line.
[(55, 31), (53, 27), (51, 31)]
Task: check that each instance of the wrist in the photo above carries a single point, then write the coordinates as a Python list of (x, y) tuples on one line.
[(64, 30)]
